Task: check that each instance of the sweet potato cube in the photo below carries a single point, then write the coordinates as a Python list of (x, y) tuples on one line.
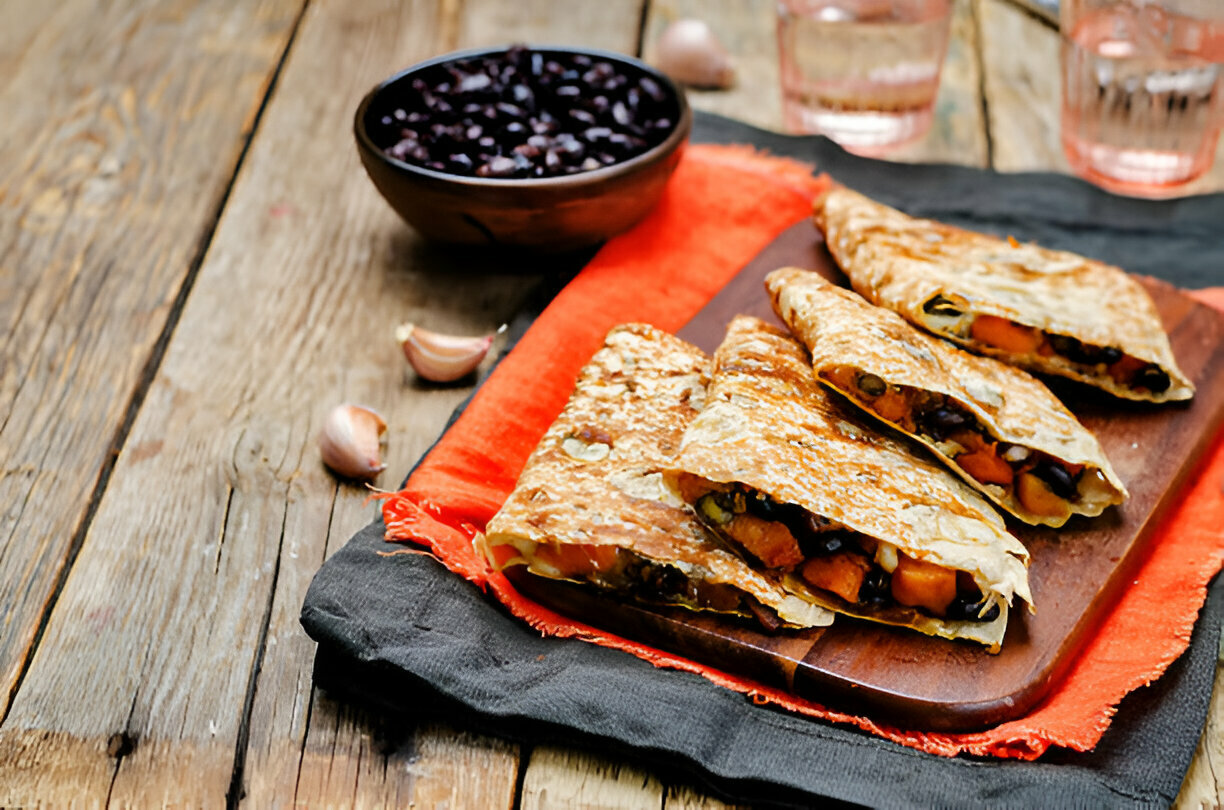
[(1006, 335), (986, 466), (891, 406), (577, 561), (922, 584), (1038, 498), (840, 573), (768, 541)]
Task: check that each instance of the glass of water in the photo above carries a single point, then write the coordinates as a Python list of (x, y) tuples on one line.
[(1141, 87), (863, 72)]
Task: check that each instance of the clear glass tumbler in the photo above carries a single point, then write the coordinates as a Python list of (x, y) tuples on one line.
[(863, 72), (1141, 87)]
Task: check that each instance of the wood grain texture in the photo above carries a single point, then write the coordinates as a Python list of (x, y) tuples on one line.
[(110, 175), (1022, 80), (1204, 783), (218, 511), (353, 759), (608, 24), (748, 30), (559, 778), (686, 798), (1020, 59)]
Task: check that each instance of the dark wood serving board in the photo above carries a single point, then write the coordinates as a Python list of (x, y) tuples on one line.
[(1076, 573)]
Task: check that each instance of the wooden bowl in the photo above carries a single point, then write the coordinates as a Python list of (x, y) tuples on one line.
[(550, 214)]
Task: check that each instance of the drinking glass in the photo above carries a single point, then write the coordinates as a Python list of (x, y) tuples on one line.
[(863, 72), (1141, 86)]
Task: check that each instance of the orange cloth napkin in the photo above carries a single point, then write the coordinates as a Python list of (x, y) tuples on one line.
[(723, 206)]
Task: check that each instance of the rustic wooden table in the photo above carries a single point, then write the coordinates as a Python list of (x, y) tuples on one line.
[(193, 270)]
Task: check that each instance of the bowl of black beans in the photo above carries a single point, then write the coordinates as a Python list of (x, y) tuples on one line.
[(546, 149)]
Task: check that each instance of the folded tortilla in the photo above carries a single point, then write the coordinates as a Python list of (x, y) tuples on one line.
[(996, 426), (1044, 310), (850, 517), (590, 505)]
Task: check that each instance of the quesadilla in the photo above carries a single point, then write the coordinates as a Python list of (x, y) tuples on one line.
[(1044, 310), (996, 426), (590, 506), (848, 517)]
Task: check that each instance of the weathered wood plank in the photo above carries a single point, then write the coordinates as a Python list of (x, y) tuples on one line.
[(687, 798), (218, 510), (559, 777), (352, 759), (1204, 783), (110, 174), (608, 24), (1022, 79), (1020, 58), (748, 29)]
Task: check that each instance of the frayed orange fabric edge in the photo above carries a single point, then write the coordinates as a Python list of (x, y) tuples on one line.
[(1068, 718)]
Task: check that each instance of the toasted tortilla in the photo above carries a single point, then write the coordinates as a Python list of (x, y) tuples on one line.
[(768, 428), (975, 413), (1044, 310), (590, 505)]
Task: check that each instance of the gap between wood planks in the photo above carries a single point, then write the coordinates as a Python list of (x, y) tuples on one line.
[(975, 11), (152, 365)]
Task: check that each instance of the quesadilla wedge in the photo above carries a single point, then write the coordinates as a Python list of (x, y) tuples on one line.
[(590, 506), (848, 517), (1044, 310), (996, 426)]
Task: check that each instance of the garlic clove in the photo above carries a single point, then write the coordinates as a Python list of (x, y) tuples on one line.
[(349, 442), (689, 52), (438, 357)]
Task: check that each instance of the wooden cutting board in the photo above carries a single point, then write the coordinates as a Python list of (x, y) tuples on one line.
[(1076, 573)]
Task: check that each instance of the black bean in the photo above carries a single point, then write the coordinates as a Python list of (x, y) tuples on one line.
[(476, 81), (1153, 378), (766, 508), (1068, 347), (582, 117), (497, 167), (1061, 482), (965, 608), (453, 107), (940, 305), (876, 588), (824, 543), (651, 88), (939, 422), (621, 114), (460, 163), (871, 385), (523, 96), (1109, 355)]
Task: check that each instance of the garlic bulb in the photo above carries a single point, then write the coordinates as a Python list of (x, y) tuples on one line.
[(349, 442), (438, 357), (689, 52)]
